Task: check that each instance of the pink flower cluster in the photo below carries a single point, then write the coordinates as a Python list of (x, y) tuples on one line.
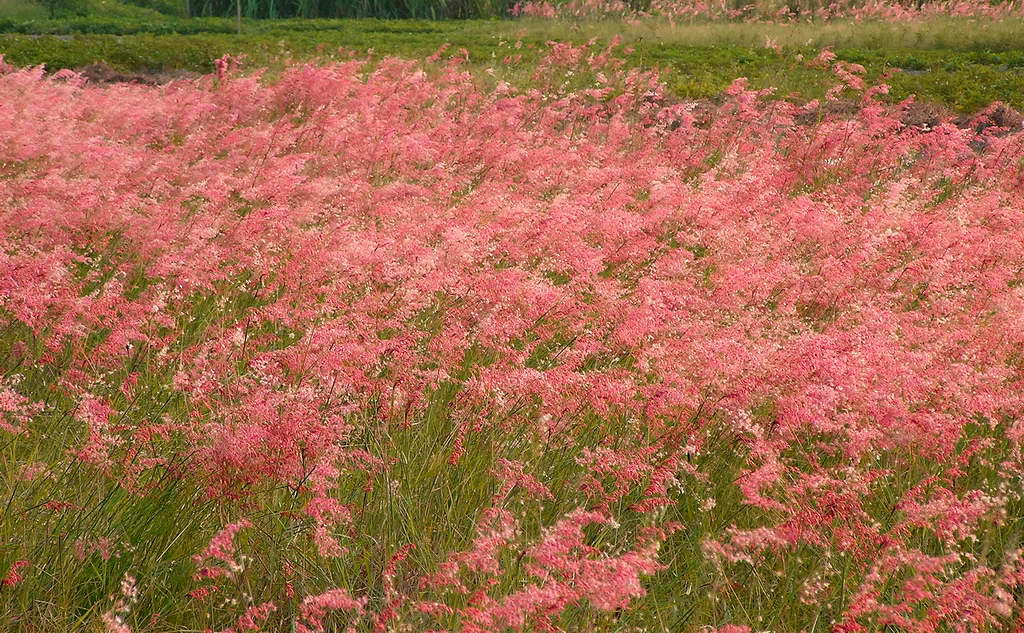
[(817, 321)]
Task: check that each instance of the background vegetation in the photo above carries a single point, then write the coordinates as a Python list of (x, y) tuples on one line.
[(272, 9), (959, 64)]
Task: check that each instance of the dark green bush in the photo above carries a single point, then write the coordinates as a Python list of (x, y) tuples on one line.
[(63, 8), (166, 7)]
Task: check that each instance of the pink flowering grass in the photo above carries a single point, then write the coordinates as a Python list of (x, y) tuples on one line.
[(766, 10), (395, 347)]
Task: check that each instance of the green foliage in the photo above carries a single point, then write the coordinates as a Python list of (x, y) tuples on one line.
[(61, 8), (423, 9), (166, 7), (21, 11)]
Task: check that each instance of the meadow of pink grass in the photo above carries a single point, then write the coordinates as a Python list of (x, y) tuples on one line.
[(397, 348), (761, 11)]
